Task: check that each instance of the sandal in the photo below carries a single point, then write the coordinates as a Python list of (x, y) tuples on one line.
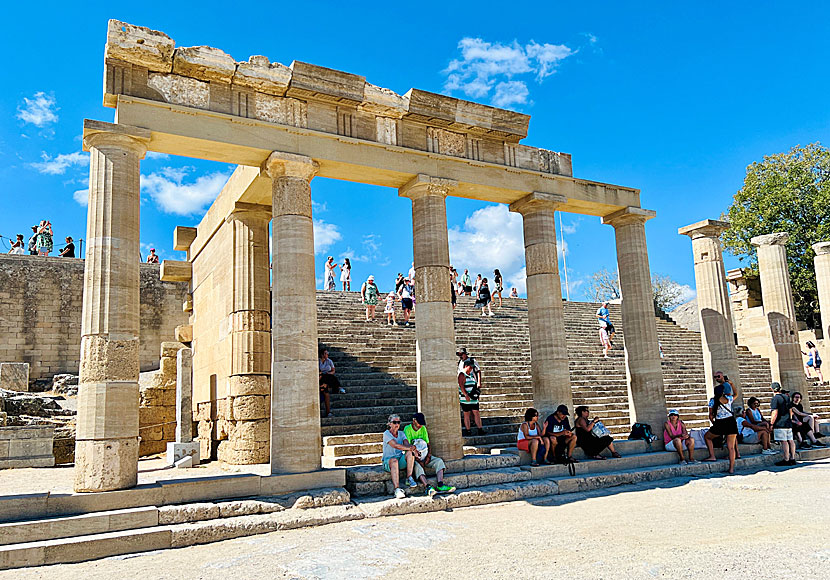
[(616, 455), (709, 460), (534, 464), (598, 457), (569, 459)]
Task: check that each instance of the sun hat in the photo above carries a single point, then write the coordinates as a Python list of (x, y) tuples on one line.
[(674, 412), (371, 278)]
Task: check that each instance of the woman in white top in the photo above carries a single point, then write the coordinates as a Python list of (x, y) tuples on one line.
[(330, 284), (723, 425), (346, 275), (530, 437)]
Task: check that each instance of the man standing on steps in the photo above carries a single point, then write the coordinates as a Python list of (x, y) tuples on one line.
[(604, 319), (416, 433), (472, 370), (406, 294), (782, 424)]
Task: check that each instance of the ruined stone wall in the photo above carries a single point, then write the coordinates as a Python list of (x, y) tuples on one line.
[(40, 313)]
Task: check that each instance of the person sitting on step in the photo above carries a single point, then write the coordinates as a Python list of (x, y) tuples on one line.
[(531, 440), (468, 393), (803, 424), (590, 442), (753, 428), (328, 382), (675, 436), (416, 433), (396, 448), (562, 439)]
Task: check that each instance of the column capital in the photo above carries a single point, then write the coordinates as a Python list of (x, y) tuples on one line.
[(423, 184), (538, 201), (628, 215), (100, 134), (281, 164), (776, 239), (704, 229), (245, 211), (821, 248)]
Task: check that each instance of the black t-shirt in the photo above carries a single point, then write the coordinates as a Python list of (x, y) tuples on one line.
[(782, 403), (69, 250), (552, 422)]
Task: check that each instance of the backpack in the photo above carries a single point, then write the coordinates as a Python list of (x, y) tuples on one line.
[(642, 431)]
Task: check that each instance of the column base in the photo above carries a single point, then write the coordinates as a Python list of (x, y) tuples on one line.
[(106, 464)]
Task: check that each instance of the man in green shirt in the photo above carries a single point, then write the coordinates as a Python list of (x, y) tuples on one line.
[(414, 433)]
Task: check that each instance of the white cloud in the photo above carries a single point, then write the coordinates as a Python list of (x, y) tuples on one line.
[(485, 66), (59, 164), (156, 155), (82, 196), (491, 238), (318, 207), (517, 280), (168, 189), (41, 110), (325, 235), (371, 254)]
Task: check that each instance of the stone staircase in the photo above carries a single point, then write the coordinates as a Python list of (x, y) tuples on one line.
[(376, 365)]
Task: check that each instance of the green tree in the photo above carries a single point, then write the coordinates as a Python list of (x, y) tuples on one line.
[(787, 192)]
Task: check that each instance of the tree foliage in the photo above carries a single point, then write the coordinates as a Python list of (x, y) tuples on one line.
[(787, 192), (668, 294)]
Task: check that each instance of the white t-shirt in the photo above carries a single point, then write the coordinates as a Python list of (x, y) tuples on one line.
[(412, 274), (724, 411), (745, 431), (406, 291)]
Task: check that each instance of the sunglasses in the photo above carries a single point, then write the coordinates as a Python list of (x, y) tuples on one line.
[(396, 422)]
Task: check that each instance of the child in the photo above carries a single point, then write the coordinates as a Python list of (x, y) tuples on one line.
[(390, 308)]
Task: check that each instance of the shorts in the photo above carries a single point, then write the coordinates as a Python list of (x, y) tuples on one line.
[(468, 289), (389, 310), (406, 303), (727, 426), (783, 434), (817, 364), (398, 457), (467, 407), (750, 439), (524, 445), (435, 463), (670, 445)]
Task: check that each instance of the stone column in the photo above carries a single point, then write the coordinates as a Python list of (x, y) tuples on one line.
[(822, 266), (434, 330), (545, 313), (716, 333), (295, 403), (184, 446), (106, 444), (249, 402), (646, 397), (779, 310)]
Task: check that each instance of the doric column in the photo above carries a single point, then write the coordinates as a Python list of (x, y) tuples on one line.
[(249, 387), (779, 310), (545, 313), (822, 265), (716, 334), (646, 397), (106, 442), (434, 330), (295, 403)]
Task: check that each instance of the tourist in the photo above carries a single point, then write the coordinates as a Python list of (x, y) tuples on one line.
[(604, 320), (530, 438), (468, 394), (562, 439), (68, 250), (754, 428), (389, 310), (32, 247), (605, 341), (398, 282), (329, 283), (18, 246), (328, 382), (395, 449), (723, 425), (406, 295), (416, 433), (466, 283), (782, 424), (675, 436), (152, 258), (497, 283), (44, 238), (412, 273), (722, 379), (587, 437), (477, 285), (369, 296), (453, 276), (483, 299), (346, 275), (513, 293), (462, 355), (813, 361), (804, 424)]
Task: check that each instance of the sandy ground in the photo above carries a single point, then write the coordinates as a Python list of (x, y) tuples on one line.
[(772, 524)]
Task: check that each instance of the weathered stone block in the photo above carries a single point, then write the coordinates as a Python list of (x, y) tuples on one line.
[(176, 451), (251, 407), (141, 46), (14, 376), (195, 512)]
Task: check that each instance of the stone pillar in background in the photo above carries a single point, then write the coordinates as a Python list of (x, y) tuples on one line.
[(646, 396), (184, 446), (249, 401), (545, 312), (779, 310), (106, 448), (716, 332), (822, 265), (434, 328), (295, 400)]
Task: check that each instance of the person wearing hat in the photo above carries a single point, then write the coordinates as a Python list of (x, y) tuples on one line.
[(604, 320), (415, 433), (406, 294), (369, 296), (462, 357), (675, 436), (468, 394), (152, 258), (557, 429), (782, 424), (723, 425)]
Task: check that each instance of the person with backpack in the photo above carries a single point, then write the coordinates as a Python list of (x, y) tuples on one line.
[(604, 320), (723, 425), (483, 298), (782, 424), (468, 394), (406, 294)]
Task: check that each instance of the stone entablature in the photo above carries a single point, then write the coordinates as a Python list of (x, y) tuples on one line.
[(146, 63)]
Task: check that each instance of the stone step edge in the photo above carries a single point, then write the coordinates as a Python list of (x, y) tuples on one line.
[(181, 535)]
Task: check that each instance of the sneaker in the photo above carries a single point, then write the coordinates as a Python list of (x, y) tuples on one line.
[(491, 314), (782, 463), (443, 488), (806, 445), (791, 462), (410, 481), (330, 415), (768, 452), (431, 491), (819, 444), (466, 433), (399, 493)]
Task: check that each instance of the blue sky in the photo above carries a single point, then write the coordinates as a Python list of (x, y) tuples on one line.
[(673, 98)]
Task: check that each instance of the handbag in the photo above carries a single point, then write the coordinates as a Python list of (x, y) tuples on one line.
[(600, 430)]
